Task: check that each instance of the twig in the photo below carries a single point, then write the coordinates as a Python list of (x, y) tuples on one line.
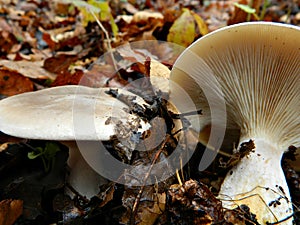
[(138, 197), (108, 45)]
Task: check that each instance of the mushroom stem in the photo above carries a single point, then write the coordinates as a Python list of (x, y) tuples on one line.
[(259, 182), (82, 177)]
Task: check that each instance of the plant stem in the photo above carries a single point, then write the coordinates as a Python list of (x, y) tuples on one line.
[(263, 11), (249, 14)]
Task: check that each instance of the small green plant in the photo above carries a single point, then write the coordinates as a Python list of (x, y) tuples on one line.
[(251, 11), (47, 154)]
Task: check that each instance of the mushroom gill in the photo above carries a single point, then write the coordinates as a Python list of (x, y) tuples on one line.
[(257, 68)]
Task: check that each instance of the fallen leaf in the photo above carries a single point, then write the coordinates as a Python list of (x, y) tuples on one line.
[(10, 210), (159, 76), (197, 201), (4, 25), (202, 26), (183, 31), (50, 42), (142, 16), (108, 194), (12, 82), (59, 63), (29, 69), (7, 41), (217, 13), (67, 78), (152, 204), (99, 75), (149, 214), (61, 8)]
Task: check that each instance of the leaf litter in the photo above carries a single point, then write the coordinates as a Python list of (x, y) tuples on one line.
[(65, 39)]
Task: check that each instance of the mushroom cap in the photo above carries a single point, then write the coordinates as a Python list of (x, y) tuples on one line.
[(66, 113), (257, 68)]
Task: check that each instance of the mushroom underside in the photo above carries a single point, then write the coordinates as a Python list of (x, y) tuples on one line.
[(253, 69)]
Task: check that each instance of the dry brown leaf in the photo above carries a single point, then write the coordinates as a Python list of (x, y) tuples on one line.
[(7, 41), (108, 195), (151, 205), (148, 215), (59, 63), (195, 197), (51, 43), (67, 78), (12, 82), (10, 210), (98, 76), (29, 69)]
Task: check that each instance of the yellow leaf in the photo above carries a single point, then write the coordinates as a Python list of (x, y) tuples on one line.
[(201, 24), (100, 9), (86, 10), (182, 31), (104, 9)]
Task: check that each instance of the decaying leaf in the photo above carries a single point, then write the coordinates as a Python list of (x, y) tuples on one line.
[(67, 78), (43, 30), (107, 194), (28, 69), (49, 41), (99, 75), (12, 82), (7, 42), (149, 214), (195, 201), (10, 210), (59, 63), (151, 205), (240, 216)]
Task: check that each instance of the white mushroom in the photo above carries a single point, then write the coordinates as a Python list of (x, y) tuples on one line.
[(63, 113), (257, 66)]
